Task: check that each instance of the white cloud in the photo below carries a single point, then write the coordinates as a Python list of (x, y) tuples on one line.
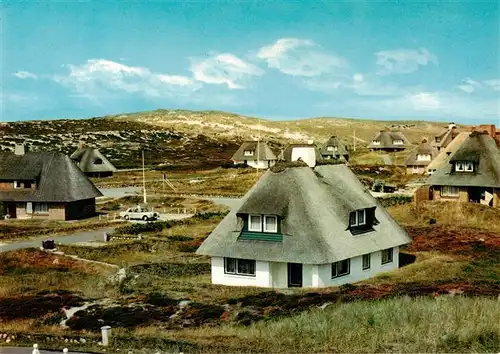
[(300, 57), (358, 77), (99, 77), (403, 61), (424, 101), (468, 85), (25, 75), (224, 69), (494, 84)]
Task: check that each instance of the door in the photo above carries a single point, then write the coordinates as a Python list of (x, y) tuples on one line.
[(294, 275), (11, 210), (475, 194)]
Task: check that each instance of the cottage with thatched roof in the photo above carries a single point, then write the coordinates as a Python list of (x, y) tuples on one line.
[(308, 153), (45, 185), (442, 140), (92, 162), (256, 154), (472, 174), (304, 227), (419, 158), (388, 140), (443, 158), (333, 148)]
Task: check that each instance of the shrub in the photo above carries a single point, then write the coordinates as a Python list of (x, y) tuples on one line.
[(397, 199)]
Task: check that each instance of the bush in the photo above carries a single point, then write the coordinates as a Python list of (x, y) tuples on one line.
[(136, 229), (171, 269), (397, 199)]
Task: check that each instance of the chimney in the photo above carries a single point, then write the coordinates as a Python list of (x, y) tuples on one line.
[(19, 149), (488, 128), (451, 125)]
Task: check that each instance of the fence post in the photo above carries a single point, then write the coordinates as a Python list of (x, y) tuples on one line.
[(106, 333), (35, 349)]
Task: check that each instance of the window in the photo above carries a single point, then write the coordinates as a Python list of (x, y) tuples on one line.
[(239, 266), (17, 184), (98, 162), (397, 142), (255, 223), (331, 148), (438, 139), (39, 208), (423, 157), (387, 256), (270, 224), (449, 191), (366, 261), (469, 166), (459, 166), (341, 268), (248, 153), (376, 142), (27, 184), (357, 218)]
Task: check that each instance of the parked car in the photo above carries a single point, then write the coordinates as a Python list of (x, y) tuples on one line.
[(139, 213)]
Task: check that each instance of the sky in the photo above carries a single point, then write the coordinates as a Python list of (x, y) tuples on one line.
[(434, 60)]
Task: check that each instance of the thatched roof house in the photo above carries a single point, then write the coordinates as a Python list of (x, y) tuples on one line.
[(92, 162), (333, 148), (389, 140), (256, 154), (302, 226), (419, 158), (473, 172), (45, 185), (442, 140), (443, 158)]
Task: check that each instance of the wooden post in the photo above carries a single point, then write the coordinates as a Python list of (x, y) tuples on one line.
[(106, 333)]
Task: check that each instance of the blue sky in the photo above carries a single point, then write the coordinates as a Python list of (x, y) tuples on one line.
[(431, 60)]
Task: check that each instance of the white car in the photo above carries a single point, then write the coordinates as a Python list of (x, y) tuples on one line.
[(139, 213)]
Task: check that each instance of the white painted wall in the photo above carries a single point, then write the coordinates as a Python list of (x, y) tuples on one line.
[(275, 275), (261, 163), (356, 272), (262, 276), (306, 153)]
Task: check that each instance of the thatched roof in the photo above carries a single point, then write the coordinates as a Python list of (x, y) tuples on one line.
[(446, 136), (443, 158), (261, 151), (86, 158), (314, 206), (387, 137), (479, 148), (334, 142), (424, 148), (58, 178)]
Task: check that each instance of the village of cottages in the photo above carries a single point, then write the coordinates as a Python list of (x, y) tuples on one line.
[(307, 222)]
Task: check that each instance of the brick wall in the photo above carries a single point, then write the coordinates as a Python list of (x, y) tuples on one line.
[(422, 194), (57, 211), (6, 186)]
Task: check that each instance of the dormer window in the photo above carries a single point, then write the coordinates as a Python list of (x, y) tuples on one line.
[(98, 162), (263, 223), (423, 157), (248, 153), (376, 142), (464, 166), (357, 218), (438, 139), (331, 148), (397, 142)]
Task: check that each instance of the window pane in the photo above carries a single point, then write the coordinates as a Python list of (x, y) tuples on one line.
[(246, 266), (343, 267), (230, 265), (387, 255), (366, 261), (255, 223), (352, 219), (271, 224), (334, 270), (361, 217)]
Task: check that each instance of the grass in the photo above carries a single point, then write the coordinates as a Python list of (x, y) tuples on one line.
[(447, 213)]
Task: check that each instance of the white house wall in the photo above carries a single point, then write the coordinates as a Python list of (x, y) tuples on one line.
[(307, 154), (260, 164), (262, 276), (279, 274), (356, 269)]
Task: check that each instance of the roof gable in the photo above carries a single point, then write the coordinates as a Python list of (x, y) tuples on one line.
[(334, 141), (86, 158), (387, 138), (261, 151)]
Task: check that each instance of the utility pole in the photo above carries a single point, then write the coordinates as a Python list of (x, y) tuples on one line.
[(354, 139), (144, 179)]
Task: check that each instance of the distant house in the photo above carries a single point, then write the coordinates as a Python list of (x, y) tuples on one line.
[(388, 140), (442, 140), (92, 162), (420, 158), (472, 174), (333, 148), (45, 185), (255, 154), (309, 153), (304, 227), (443, 158)]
